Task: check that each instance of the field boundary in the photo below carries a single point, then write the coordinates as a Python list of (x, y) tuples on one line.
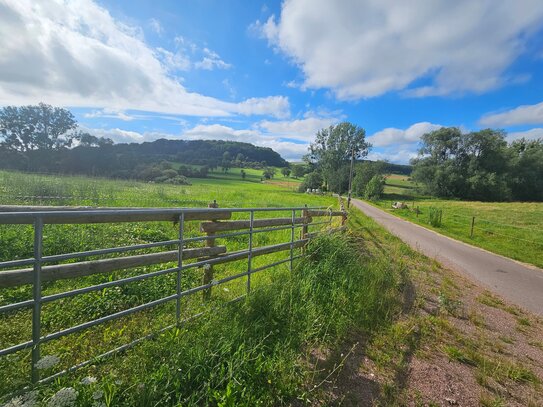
[(212, 220)]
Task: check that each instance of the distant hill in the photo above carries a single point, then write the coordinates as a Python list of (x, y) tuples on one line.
[(123, 160)]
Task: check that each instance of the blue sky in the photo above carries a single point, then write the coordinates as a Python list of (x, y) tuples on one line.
[(273, 73)]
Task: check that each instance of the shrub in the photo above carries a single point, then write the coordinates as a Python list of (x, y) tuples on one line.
[(375, 187), (434, 216)]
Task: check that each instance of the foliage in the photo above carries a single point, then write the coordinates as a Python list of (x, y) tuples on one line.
[(298, 170), (312, 180), (375, 187), (285, 171), (364, 172), (435, 216), (28, 128), (332, 150), (268, 173), (479, 166)]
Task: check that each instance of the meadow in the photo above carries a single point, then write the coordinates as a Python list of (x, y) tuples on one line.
[(512, 229), (35, 189)]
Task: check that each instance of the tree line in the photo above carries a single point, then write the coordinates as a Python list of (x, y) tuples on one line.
[(44, 138), (479, 165)]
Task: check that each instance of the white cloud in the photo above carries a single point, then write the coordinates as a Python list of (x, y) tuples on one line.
[(526, 114), (367, 48), (394, 136), (399, 145), (74, 53), (156, 26), (394, 156), (533, 134), (211, 60), (289, 150), (300, 129), (127, 136)]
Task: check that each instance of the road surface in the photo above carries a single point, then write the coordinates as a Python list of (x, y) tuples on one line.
[(520, 284)]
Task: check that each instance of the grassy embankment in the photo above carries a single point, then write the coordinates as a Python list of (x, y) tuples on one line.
[(512, 229)]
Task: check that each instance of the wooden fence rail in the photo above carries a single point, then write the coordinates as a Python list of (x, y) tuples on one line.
[(212, 221)]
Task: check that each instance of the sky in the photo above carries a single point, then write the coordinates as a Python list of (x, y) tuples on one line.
[(274, 73)]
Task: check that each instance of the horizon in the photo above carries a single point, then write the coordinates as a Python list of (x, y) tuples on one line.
[(272, 73)]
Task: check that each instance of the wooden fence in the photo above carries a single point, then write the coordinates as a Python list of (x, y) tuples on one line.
[(214, 224)]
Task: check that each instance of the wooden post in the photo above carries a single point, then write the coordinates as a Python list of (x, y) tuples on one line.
[(417, 211), (472, 224), (208, 268)]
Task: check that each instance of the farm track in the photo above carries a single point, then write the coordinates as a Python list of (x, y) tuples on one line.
[(518, 283)]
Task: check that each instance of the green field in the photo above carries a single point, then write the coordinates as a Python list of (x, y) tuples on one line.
[(32, 189), (512, 229)]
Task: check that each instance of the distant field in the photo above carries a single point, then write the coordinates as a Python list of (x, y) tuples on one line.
[(512, 229)]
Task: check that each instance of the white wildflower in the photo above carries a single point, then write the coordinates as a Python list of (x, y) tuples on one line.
[(65, 397), (97, 394), (226, 289), (88, 380), (25, 400), (47, 362)]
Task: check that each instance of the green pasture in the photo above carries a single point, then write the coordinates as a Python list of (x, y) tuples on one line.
[(512, 229), (16, 243)]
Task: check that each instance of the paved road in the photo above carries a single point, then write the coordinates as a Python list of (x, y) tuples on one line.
[(520, 284)]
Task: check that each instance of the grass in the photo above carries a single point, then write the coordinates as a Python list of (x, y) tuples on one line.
[(254, 352), (512, 229)]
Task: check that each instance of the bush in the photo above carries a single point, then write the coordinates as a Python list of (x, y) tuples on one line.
[(434, 216), (375, 187), (313, 180), (178, 180)]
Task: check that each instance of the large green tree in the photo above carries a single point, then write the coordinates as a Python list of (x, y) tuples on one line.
[(41, 127), (479, 165), (332, 150)]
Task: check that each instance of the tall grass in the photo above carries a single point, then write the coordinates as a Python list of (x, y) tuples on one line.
[(256, 352)]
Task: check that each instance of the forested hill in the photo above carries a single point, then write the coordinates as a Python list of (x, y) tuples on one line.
[(202, 152), (124, 160)]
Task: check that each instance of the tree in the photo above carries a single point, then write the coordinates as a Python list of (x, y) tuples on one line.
[(313, 180), (375, 187), (226, 161), (365, 171), (268, 173), (333, 148), (473, 165), (298, 171), (41, 127), (285, 171), (88, 140)]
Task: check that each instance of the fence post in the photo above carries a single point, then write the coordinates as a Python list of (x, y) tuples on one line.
[(36, 288), (250, 256), (208, 268), (472, 224), (179, 266), (292, 238), (417, 211)]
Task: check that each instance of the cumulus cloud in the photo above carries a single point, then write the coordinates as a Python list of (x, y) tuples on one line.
[(394, 136), (367, 48), (300, 129), (399, 145), (211, 60), (533, 134), (526, 114), (74, 53), (127, 136)]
